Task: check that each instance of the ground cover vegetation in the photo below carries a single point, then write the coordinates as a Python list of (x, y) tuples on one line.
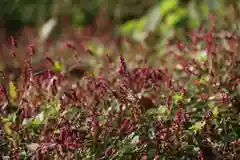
[(99, 95)]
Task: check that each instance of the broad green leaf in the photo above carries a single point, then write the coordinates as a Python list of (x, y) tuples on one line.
[(175, 17), (26, 121), (166, 6), (40, 116), (36, 121), (141, 23), (30, 122), (128, 27)]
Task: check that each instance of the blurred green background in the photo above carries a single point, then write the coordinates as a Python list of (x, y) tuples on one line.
[(131, 16)]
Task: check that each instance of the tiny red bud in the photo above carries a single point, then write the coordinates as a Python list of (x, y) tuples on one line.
[(69, 45), (180, 45), (31, 50), (170, 84), (197, 82), (49, 60), (182, 91), (204, 96)]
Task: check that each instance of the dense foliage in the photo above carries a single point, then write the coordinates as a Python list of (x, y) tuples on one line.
[(128, 103), (160, 15)]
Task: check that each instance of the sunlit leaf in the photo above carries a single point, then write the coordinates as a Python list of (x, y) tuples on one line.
[(12, 91), (176, 16), (26, 121), (46, 29), (135, 139), (58, 66), (128, 27), (197, 126), (51, 110), (161, 110), (166, 6), (141, 23), (31, 122), (40, 116), (178, 97), (215, 111), (7, 128), (153, 18), (201, 56)]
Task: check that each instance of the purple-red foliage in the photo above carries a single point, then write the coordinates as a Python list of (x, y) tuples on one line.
[(132, 112)]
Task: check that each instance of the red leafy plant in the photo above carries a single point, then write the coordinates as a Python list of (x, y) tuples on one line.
[(185, 105)]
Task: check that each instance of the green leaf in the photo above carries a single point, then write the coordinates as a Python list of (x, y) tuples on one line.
[(12, 91), (128, 27), (34, 122), (141, 23), (58, 66), (197, 126), (153, 19), (51, 110), (27, 121), (204, 9), (202, 56), (178, 97), (23, 155), (166, 6), (40, 116), (161, 110), (135, 139), (173, 18), (30, 122), (215, 111), (12, 117), (7, 128)]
